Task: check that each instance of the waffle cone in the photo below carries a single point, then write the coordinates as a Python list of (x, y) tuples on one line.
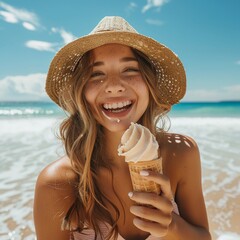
[(141, 184)]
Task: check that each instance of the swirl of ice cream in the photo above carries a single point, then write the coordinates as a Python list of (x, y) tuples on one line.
[(138, 144)]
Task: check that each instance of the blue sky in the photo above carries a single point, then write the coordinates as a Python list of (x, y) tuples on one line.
[(204, 33)]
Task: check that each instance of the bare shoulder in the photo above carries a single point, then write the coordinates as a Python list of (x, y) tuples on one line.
[(180, 147), (180, 155), (58, 180), (55, 192), (179, 141), (58, 172)]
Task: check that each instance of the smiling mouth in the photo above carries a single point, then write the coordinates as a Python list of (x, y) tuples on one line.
[(117, 107)]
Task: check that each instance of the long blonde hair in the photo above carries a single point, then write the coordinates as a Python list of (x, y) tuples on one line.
[(81, 135)]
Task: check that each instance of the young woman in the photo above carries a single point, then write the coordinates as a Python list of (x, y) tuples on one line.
[(105, 81)]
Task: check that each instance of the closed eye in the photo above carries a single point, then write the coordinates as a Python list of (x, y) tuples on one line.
[(131, 70), (96, 74)]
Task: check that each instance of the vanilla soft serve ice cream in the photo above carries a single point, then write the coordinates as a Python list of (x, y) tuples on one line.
[(138, 144), (140, 149)]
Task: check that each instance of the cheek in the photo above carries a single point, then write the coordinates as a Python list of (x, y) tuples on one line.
[(89, 101), (89, 95), (144, 97), (143, 93), (137, 83), (133, 81), (141, 87)]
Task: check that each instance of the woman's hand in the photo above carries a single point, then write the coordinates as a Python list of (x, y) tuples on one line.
[(155, 216)]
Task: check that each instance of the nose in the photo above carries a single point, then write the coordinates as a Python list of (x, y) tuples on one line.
[(114, 85)]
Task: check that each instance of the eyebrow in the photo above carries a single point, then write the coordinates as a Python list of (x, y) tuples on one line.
[(125, 59), (128, 59)]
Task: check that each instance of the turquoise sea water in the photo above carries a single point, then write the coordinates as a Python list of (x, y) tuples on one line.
[(185, 109), (206, 109)]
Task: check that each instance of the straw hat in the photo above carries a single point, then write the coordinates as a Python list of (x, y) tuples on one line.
[(171, 80)]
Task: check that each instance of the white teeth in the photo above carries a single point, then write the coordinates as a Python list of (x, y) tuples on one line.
[(120, 105), (116, 105)]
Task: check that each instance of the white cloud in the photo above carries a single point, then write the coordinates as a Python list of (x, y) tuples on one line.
[(201, 95), (154, 22), (154, 4), (29, 21), (29, 26), (131, 7), (133, 4), (8, 17), (66, 36), (23, 87), (48, 46), (41, 45), (235, 89), (14, 15), (238, 62), (222, 94)]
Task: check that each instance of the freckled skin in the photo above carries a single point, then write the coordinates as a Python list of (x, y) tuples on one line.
[(115, 80)]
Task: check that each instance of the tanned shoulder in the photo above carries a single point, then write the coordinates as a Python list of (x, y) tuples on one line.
[(180, 155), (55, 193), (180, 147), (58, 172)]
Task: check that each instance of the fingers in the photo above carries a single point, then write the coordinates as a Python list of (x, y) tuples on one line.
[(154, 215), (151, 214), (160, 179), (155, 229), (156, 201)]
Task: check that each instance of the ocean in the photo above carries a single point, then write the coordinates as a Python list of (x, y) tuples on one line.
[(28, 142), (185, 109)]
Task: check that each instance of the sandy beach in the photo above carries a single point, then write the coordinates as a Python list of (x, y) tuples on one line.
[(27, 145)]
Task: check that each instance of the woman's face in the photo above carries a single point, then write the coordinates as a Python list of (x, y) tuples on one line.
[(116, 92)]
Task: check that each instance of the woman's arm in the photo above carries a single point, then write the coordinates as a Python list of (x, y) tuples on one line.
[(164, 224), (54, 194), (193, 223)]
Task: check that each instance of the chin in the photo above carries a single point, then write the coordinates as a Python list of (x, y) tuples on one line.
[(117, 127)]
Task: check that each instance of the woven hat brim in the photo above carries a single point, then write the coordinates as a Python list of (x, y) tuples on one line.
[(172, 79)]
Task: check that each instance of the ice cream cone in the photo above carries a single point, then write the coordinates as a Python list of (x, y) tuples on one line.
[(140, 183)]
